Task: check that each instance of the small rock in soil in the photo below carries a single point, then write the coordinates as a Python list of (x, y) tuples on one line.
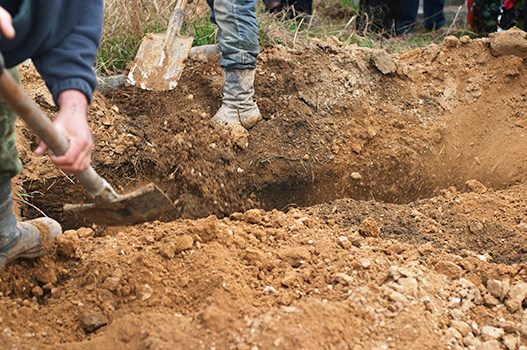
[(294, 256), (252, 216), (46, 275), (92, 320), (182, 243), (516, 296), (369, 228), (66, 243)]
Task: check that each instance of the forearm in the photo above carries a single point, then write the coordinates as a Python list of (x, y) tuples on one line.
[(73, 103)]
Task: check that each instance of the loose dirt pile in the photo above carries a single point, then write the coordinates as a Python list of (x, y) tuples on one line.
[(266, 249)]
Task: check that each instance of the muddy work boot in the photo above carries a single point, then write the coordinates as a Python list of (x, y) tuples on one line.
[(238, 111), (28, 239)]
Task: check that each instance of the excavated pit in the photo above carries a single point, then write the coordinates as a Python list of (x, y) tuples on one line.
[(395, 197)]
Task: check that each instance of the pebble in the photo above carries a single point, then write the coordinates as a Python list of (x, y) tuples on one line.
[(491, 333), (461, 327), (85, 232), (498, 288), (144, 292), (454, 303), (471, 340), (491, 345), (409, 284), (344, 242), (398, 297), (369, 228), (46, 275), (453, 333), (510, 341), (37, 291), (365, 263), (343, 279), (294, 256), (252, 216), (356, 176), (182, 243), (292, 279), (449, 269), (92, 320), (270, 290), (490, 301), (66, 243), (516, 295)]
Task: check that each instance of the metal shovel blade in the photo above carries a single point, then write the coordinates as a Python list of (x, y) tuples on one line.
[(158, 66), (144, 204)]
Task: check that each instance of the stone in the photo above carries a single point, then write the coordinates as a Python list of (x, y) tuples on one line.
[(294, 256), (449, 269), (369, 228), (92, 320), (496, 288), (398, 297), (182, 243), (85, 232), (491, 333), (255, 257), (167, 250), (491, 345), (409, 284), (344, 242), (343, 279), (252, 216), (292, 279), (37, 291), (111, 283), (46, 275), (236, 216), (453, 333), (508, 326), (461, 327), (383, 61), (490, 301), (144, 292), (511, 341), (476, 186), (516, 295), (66, 243), (270, 290), (471, 340)]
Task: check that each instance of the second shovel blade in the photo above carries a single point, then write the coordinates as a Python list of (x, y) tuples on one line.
[(157, 67)]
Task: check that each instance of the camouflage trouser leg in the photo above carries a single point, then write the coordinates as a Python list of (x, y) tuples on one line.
[(10, 164)]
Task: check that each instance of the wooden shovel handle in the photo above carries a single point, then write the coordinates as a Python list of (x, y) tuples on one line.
[(28, 110), (175, 23)]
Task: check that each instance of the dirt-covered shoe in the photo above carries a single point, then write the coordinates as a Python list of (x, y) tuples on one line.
[(238, 106), (36, 237)]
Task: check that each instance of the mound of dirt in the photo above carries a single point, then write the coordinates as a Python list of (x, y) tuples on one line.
[(380, 204)]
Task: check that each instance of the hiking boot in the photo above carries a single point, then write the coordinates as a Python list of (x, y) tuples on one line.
[(28, 239), (238, 106)]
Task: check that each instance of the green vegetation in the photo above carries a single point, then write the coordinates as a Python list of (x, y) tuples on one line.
[(127, 22)]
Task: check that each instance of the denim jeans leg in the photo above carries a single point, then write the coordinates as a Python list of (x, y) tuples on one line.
[(237, 32), (433, 14), (408, 17)]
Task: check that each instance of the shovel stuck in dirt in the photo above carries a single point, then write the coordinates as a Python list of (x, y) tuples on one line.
[(160, 59), (110, 208)]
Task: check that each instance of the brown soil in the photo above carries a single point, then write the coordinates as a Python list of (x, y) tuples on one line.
[(380, 204)]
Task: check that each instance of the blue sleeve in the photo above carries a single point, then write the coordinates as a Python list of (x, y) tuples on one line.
[(69, 65)]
